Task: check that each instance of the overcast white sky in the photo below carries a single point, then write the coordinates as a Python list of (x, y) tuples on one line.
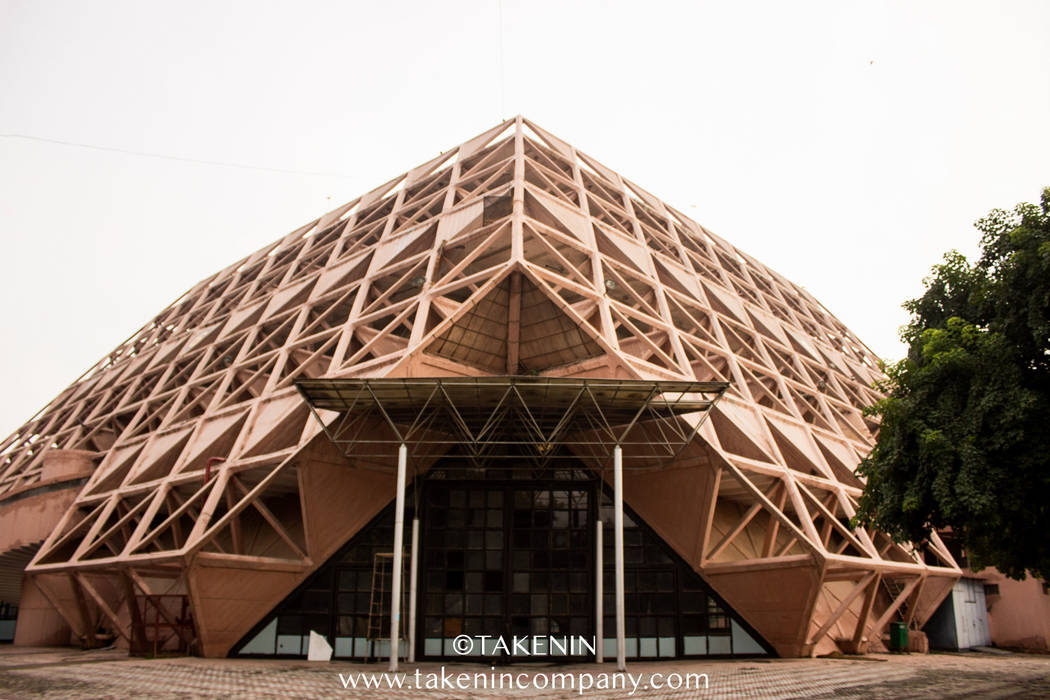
[(845, 144)]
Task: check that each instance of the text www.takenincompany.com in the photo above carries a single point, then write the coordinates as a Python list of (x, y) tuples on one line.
[(442, 680)]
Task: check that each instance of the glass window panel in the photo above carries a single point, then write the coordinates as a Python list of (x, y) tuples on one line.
[(290, 625), (559, 581), (692, 601), (453, 604), (693, 644), (578, 581), (264, 642), (344, 646), (718, 645), (559, 519), (744, 643), (438, 519), (493, 581), (289, 644)]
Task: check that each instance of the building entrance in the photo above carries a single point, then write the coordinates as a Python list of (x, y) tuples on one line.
[(506, 559)]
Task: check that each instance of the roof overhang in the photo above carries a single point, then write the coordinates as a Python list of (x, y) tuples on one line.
[(489, 420)]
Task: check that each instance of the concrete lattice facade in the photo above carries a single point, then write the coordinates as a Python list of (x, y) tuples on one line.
[(207, 476)]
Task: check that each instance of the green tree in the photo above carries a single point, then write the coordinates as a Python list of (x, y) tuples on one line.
[(965, 436)]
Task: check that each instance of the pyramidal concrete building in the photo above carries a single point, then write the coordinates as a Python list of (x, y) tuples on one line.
[(508, 393)]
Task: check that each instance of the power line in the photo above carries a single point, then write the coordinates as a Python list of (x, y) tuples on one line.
[(161, 156)]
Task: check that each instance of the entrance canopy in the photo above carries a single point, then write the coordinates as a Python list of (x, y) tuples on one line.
[(488, 419)]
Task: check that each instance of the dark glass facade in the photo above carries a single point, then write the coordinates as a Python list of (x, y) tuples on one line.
[(509, 554)]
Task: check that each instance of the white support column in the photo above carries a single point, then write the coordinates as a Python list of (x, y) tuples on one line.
[(399, 542), (413, 572), (621, 633), (599, 611)]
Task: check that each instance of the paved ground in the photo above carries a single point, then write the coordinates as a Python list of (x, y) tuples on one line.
[(69, 673)]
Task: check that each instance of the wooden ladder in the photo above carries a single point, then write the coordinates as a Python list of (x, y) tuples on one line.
[(382, 574), (894, 588)]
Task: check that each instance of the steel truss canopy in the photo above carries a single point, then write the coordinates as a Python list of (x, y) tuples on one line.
[(489, 420)]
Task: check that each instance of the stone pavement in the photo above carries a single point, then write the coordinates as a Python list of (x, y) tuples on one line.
[(70, 673)]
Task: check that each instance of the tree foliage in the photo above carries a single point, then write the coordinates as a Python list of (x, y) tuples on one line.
[(965, 435)]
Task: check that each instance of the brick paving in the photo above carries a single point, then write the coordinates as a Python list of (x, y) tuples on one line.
[(74, 674)]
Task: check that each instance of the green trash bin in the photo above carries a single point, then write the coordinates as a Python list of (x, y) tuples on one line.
[(898, 636)]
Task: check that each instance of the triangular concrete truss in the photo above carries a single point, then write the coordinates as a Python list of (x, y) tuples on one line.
[(510, 254)]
